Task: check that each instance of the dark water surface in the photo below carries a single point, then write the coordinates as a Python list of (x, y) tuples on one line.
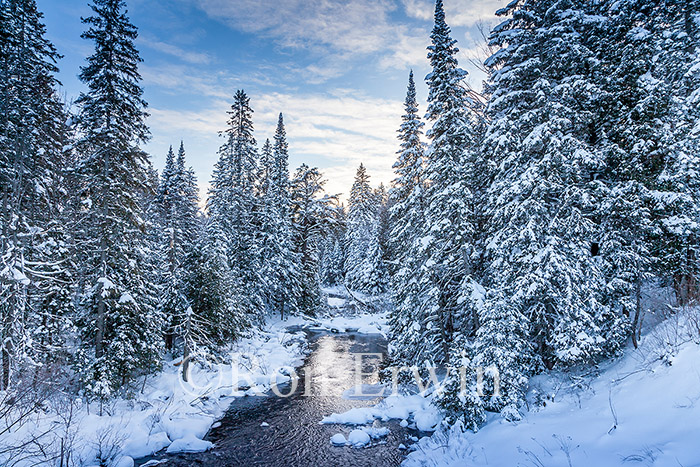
[(294, 436)]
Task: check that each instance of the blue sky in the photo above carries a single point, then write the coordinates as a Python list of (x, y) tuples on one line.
[(337, 69)]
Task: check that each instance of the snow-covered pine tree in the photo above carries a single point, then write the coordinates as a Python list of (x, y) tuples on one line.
[(384, 221), (189, 221), (333, 251), (34, 269), (280, 268), (407, 226), (333, 260), (264, 168), (633, 130), (265, 222), (446, 279), (167, 200), (232, 205), (179, 228), (542, 271), (375, 277), (313, 213), (121, 331), (221, 314), (675, 80), (362, 235), (408, 188), (621, 207)]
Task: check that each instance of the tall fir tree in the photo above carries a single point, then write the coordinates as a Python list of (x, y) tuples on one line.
[(179, 228), (446, 275), (675, 79), (34, 269), (167, 200), (119, 322), (364, 254), (548, 299), (286, 275), (407, 224), (313, 214), (232, 205)]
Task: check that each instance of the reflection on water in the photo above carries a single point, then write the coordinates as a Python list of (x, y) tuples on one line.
[(294, 436)]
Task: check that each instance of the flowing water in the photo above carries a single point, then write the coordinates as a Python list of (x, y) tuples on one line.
[(294, 437)]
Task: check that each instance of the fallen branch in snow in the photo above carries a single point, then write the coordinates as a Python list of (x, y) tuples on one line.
[(612, 410), (641, 370)]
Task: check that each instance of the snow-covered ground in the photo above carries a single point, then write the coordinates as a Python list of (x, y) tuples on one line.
[(642, 409)]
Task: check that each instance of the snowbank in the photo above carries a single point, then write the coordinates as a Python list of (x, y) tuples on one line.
[(362, 323), (641, 410), (360, 437), (415, 409)]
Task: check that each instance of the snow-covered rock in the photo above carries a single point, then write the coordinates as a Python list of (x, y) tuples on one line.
[(427, 419), (358, 438), (376, 432), (338, 439), (189, 444)]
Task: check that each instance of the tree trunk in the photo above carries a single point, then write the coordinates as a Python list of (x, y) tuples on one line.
[(101, 305), (637, 311), (6, 352), (187, 350), (170, 332)]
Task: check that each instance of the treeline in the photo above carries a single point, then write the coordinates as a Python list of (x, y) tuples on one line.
[(355, 253), (107, 266), (523, 233)]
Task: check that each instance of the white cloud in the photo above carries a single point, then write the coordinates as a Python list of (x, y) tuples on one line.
[(335, 132), (356, 26), (334, 31), (196, 58), (408, 50), (420, 9), (457, 12)]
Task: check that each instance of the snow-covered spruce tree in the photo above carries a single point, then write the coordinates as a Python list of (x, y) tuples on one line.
[(171, 299), (280, 269), (121, 327), (177, 205), (542, 272), (220, 314), (675, 80), (189, 222), (375, 277), (34, 269), (447, 310), (645, 200), (384, 225), (407, 224), (313, 214), (333, 262), (264, 167), (363, 249), (622, 181), (265, 222), (232, 205)]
